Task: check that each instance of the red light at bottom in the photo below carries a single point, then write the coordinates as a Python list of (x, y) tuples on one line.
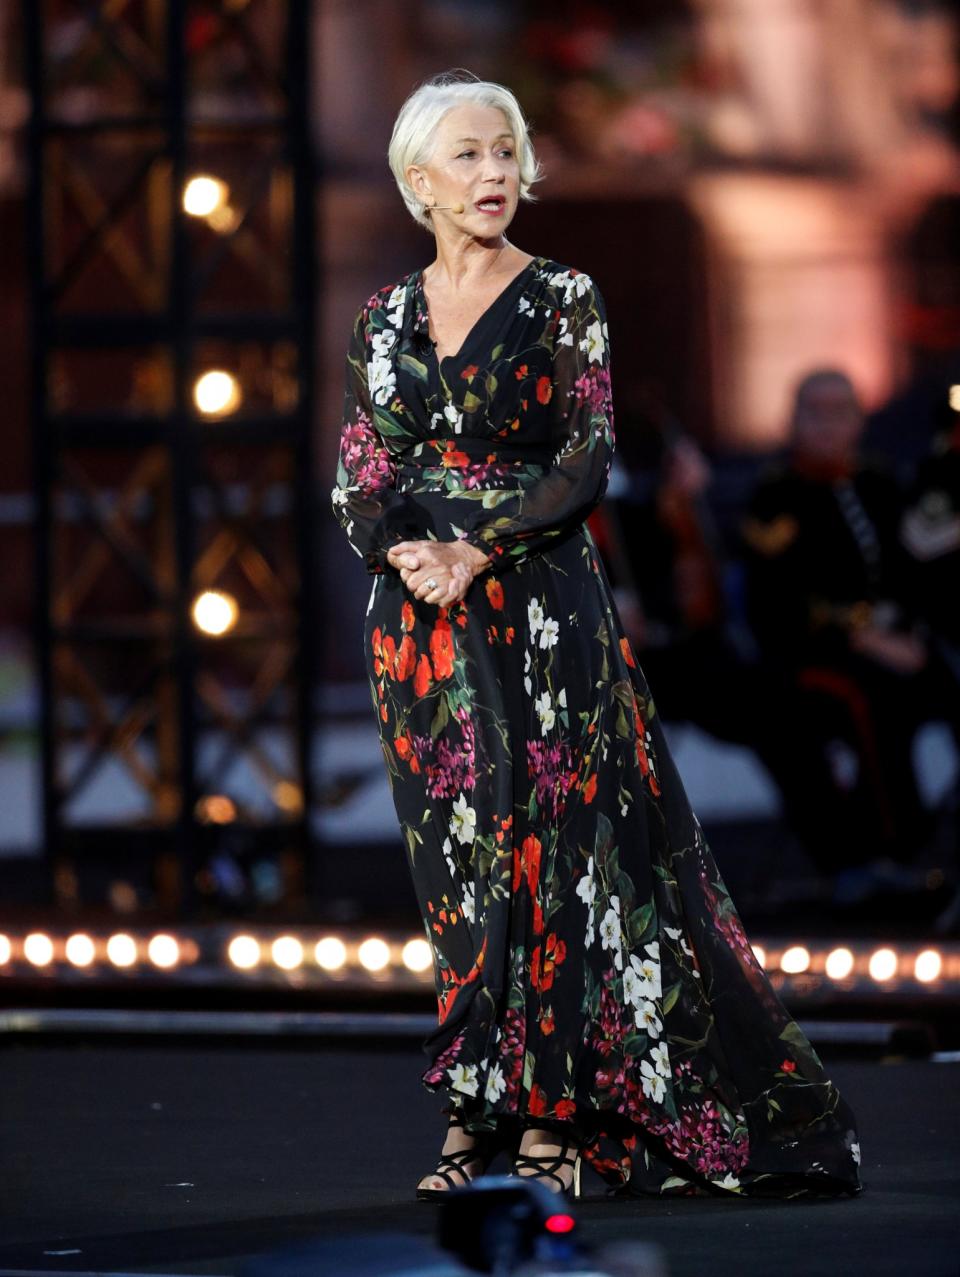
[(560, 1224)]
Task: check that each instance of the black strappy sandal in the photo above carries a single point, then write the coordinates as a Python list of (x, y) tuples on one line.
[(546, 1167), (483, 1150)]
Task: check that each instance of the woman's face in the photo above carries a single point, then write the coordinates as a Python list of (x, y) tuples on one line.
[(474, 162)]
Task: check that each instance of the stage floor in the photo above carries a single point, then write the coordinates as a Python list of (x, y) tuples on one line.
[(152, 1156)]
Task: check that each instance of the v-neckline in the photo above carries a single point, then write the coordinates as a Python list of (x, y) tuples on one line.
[(441, 360)]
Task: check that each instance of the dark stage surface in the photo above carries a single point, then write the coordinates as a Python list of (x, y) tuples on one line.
[(151, 1156)]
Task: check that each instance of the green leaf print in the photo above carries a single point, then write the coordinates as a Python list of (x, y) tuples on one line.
[(440, 718), (413, 366)]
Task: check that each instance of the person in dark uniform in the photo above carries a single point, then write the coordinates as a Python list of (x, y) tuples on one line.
[(830, 600)]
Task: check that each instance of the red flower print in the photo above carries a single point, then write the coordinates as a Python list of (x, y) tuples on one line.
[(520, 372), (590, 788), (403, 745), (452, 457), (423, 677), (495, 593), (627, 654), (788, 1066), (544, 389), (542, 967), (565, 1108), (469, 372), (441, 650), (389, 655), (406, 612), (547, 1022), (406, 658), (537, 1104), (527, 861), (537, 918)]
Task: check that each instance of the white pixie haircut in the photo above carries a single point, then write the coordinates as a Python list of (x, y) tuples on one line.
[(413, 137)]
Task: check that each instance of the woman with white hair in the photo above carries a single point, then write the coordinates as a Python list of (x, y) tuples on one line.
[(597, 995)]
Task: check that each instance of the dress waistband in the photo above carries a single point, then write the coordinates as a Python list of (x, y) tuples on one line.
[(461, 451)]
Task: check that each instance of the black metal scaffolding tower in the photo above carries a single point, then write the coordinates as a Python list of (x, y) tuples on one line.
[(175, 759)]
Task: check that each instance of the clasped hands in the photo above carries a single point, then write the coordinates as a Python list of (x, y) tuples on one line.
[(438, 572)]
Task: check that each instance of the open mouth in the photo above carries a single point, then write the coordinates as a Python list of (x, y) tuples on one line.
[(491, 204)]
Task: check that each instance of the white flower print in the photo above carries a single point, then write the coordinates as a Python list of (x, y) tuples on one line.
[(562, 701), (463, 1077), (467, 902), (436, 420), (593, 343), (646, 1018), (631, 986), (525, 307), (550, 633), (340, 496), (855, 1153), (548, 715), (463, 822), (395, 303), (661, 1059), (563, 338), (383, 343), (527, 683), (587, 887), (728, 1181), (648, 973), (673, 932), (610, 934), (454, 416), (382, 378), (651, 1081), (534, 615), (496, 1084)]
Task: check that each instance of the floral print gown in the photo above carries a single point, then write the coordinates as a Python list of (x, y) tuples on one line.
[(591, 971)]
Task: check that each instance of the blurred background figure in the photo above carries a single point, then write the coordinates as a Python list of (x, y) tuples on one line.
[(832, 602)]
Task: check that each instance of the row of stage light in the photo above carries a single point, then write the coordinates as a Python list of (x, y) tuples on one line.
[(229, 955)]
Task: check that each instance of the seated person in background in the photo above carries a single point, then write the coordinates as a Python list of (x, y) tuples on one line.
[(829, 600)]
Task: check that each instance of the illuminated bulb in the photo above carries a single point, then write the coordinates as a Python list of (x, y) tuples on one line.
[(216, 809), (955, 398), (244, 952), (203, 195), (795, 959), (287, 952), (6, 949), (122, 950), (760, 954), (927, 966), (216, 392), (839, 964), (883, 964), (374, 954), (214, 612), (417, 955), (38, 949), (163, 951), (80, 950), (330, 953)]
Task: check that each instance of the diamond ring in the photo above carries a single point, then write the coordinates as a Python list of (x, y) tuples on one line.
[(432, 583)]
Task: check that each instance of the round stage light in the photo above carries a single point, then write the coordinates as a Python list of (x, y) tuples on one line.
[(795, 959), (330, 953), (6, 950), (163, 951), (287, 952), (38, 949), (80, 950), (216, 393), (760, 953), (954, 398), (927, 966), (417, 955), (215, 613), (839, 964), (216, 809), (374, 954), (204, 194), (883, 965), (244, 952), (122, 950)]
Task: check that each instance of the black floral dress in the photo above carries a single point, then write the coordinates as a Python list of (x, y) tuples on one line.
[(591, 971)]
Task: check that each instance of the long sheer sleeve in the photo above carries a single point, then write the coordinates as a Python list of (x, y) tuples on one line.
[(530, 520), (365, 500)]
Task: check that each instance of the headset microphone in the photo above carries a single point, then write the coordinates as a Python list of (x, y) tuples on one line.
[(455, 208)]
